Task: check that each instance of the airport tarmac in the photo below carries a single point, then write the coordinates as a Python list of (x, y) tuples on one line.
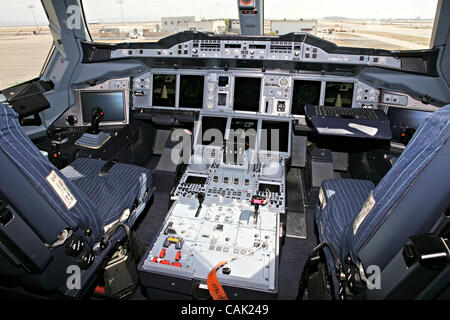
[(22, 53)]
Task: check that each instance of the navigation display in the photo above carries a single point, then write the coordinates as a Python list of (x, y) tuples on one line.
[(246, 94), (164, 86), (244, 130), (208, 136), (339, 94), (274, 136), (191, 91), (112, 104), (305, 92)]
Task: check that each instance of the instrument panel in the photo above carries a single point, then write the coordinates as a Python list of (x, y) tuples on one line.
[(299, 48), (262, 76), (281, 94)]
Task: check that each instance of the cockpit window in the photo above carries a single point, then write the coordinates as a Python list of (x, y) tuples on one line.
[(384, 24), (25, 41)]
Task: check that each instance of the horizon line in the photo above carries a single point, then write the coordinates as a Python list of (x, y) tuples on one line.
[(155, 21)]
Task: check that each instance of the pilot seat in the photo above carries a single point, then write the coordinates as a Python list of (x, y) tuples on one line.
[(360, 224), (54, 223)]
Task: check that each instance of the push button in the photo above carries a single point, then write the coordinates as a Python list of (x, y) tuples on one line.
[(165, 262), (162, 253), (176, 264)]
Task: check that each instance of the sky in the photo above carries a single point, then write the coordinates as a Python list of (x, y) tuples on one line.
[(17, 12)]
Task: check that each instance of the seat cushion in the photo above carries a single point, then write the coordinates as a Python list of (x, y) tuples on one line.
[(340, 202), (123, 187)]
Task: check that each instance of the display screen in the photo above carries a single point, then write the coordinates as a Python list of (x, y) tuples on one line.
[(274, 188), (222, 99), (112, 104), (223, 81), (191, 91), (212, 129), (274, 136), (305, 92), (246, 94), (247, 134), (164, 87), (196, 180), (339, 94)]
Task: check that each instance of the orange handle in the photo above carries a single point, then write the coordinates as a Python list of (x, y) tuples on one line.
[(214, 286)]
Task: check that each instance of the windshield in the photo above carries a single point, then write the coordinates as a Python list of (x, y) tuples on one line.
[(25, 41), (384, 24)]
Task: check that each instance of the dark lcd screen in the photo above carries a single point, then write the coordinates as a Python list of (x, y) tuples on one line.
[(339, 94), (191, 91), (164, 87), (222, 99), (305, 92), (275, 188), (246, 94), (223, 81), (274, 136), (112, 104), (212, 131), (196, 180), (244, 130)]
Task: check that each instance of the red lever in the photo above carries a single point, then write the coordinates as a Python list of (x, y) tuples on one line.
[(178, 256), (258, 201)]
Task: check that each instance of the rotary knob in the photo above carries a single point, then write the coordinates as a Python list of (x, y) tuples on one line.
[(71, 120)]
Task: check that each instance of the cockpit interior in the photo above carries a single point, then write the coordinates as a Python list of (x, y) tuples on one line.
[(218, 166)]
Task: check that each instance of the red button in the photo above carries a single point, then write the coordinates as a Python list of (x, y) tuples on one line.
[(178, 256), (176, 264), (155, 259), (162, 253), (165, 262), (99, 289)]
